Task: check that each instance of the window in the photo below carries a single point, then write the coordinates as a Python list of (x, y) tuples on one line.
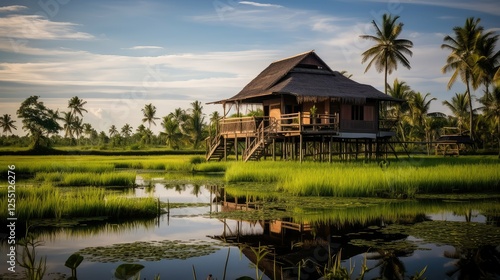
[(357, 113)]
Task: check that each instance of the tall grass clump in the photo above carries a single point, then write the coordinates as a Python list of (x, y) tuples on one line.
[(211, 167), (47, 201), (123, 179), (256, 171), (102, 179), (361, 180)]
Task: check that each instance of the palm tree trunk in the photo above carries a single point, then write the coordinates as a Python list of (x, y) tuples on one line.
[(471, 113), (498, 137), (385, 74)]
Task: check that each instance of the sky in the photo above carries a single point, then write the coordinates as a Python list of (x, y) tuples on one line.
[(120, 55)]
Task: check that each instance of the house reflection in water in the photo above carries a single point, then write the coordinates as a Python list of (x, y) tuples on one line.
[(291, 243)]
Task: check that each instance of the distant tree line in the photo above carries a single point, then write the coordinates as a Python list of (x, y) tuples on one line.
[(474, 59)]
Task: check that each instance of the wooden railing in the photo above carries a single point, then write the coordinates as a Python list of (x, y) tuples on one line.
[(240, 125), (305, 122), (301, 122)]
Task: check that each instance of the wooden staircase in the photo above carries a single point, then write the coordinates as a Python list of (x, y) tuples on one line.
[(217, 151), (264, 137)]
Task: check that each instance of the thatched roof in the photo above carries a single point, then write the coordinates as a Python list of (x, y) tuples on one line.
[(308, 78)]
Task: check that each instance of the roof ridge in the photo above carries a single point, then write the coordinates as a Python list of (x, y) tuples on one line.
[(293, 56)]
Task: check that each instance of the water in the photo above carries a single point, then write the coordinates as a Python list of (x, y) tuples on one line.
[(443, 240)]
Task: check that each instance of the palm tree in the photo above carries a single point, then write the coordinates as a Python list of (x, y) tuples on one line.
[(214, 123), (76, 105), (126, 132), (149, 112), (196, 123), (113, 131), (7, 123), (486, 60), (400, 90), (491, 110), (459, 109), (462, 58), (87, 129), (496, 78), (171, 132), (68, 124), (77, 126), (180, 117), (419, 107), (388, 50)]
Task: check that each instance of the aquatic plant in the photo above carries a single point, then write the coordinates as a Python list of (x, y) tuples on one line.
[(149, 251), (127, 270), (35, 268), (72, 263)]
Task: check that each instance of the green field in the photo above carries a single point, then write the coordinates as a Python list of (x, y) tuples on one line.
[(39, 180)]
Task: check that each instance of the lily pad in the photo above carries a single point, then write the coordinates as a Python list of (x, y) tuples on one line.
[(149, 251)]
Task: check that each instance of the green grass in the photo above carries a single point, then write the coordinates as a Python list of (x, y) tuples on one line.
[(122, 179), (47, 201), (357, 179), (30, 165)]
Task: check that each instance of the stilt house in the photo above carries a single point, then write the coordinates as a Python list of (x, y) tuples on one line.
[(309, 110)]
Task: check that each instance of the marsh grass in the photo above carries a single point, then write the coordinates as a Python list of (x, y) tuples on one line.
[(47, 201), (30, 165), (125, 179), (358, 179)]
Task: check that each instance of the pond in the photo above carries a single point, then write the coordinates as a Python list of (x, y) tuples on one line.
[(450, 239)]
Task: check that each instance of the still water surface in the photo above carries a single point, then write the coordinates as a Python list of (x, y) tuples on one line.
[(387, 243)]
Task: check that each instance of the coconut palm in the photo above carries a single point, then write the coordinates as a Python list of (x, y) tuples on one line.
[(459, 108), (214, 123), (419, 107), (7, 123), (87, 129), (196, 123), (76, 105), (491, 110), (113, 131), (388, 50), (77, 126), (462, 58), (496, 78), (180, 117), (149, 112), (486, 59), (126, 131), (400, 90), (171, 132), (68, 120)]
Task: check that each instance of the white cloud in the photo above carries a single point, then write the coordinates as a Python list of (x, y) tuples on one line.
[(13, 8), (38, 27), (259, 4), (484, 6), (144, 48)]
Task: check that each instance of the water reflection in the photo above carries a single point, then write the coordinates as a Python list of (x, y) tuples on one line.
[(391, 232), (457, 240)]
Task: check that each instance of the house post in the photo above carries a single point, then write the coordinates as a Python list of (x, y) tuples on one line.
[(330, 150), (225, 149), (301, 152), (236, 147)]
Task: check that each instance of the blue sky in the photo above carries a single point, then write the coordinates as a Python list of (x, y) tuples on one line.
[(120, 55)]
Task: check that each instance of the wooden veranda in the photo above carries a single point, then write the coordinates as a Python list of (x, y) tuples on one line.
[(297, 136)]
